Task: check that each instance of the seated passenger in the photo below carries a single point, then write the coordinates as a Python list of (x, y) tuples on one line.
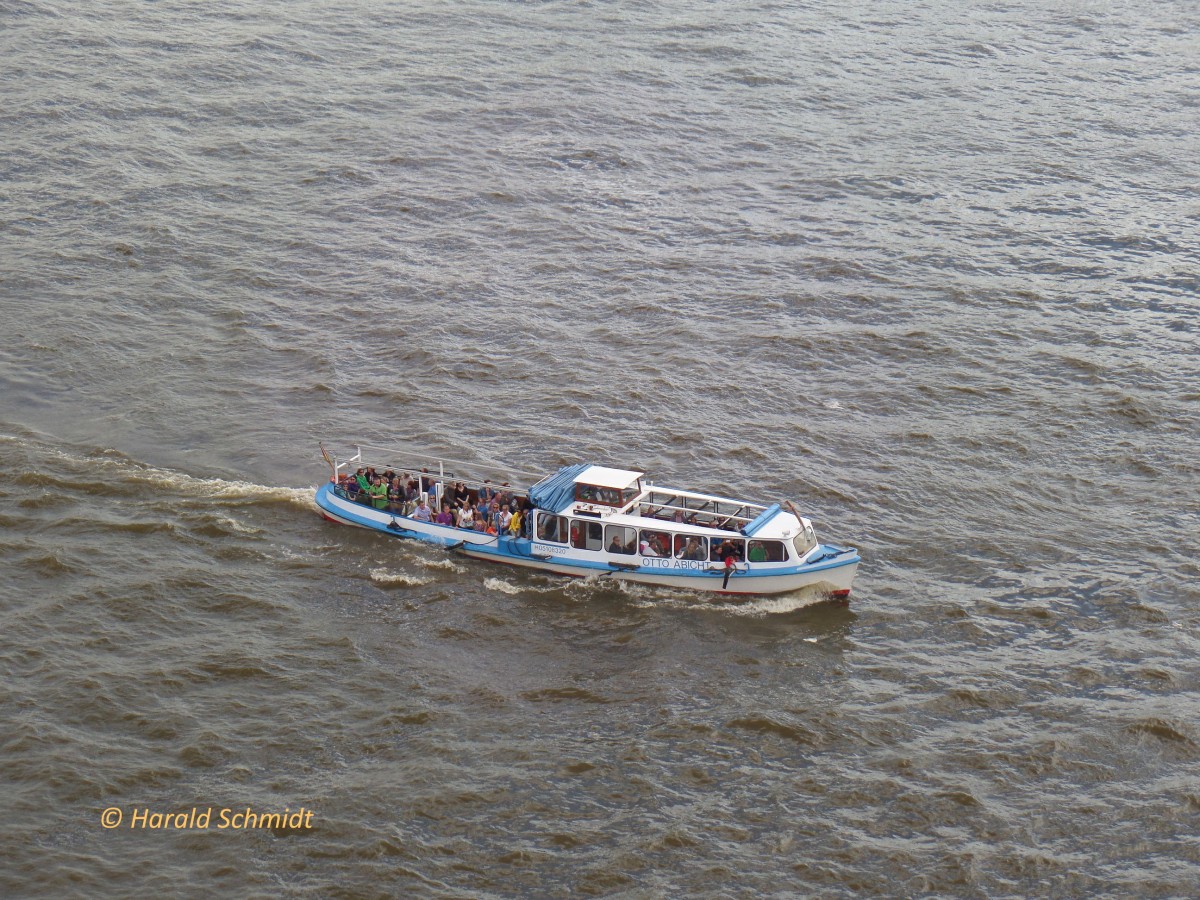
[(505, 518), (615, 546), (445, 517), (758, 552), (422, 513), (514, 524), (693, 550), (466, 516), (647, 550)]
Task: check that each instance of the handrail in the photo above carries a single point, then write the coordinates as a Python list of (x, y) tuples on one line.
[(440, 460)]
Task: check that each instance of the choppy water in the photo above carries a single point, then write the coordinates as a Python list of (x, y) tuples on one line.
[(928, 269)]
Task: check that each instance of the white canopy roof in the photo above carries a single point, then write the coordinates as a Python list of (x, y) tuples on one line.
[(609, 478)]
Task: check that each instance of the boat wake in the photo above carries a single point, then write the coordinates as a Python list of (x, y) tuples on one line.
[(382, 576), (105, 468)]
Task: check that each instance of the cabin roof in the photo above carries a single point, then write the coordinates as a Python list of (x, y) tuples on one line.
[(602, 476)]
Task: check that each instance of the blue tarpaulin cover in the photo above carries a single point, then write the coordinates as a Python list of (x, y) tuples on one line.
[(556, 492)]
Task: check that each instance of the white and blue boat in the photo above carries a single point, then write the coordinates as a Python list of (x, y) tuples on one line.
[(594, 521)]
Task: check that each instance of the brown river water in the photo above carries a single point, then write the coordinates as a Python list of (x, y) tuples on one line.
[(929, 271)]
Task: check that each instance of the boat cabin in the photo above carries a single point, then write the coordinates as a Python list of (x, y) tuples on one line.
[(599, 486), (588, 507)]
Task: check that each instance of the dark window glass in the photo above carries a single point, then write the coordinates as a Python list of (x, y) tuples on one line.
[(766, 551), (587, 535), (728, 547), (619, 539), (551, 528), (691, 547), (654, 543)]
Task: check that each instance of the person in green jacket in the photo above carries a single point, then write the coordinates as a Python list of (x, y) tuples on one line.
[(378, 493)]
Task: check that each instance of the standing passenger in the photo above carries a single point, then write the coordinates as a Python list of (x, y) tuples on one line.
[(378, 492)]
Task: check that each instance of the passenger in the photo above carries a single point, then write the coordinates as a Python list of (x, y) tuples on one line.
[(487, 492), (758, 553), (615, 545), (378, 493), (678, 517), (396, 497), (515, 523), (422, 513), (647, 549), (445, 517), (693, 550), (466, 516), (352, 489), (461, 496), (361, 477), (505, 518), (414, 489), (726, 550), (491, 526)]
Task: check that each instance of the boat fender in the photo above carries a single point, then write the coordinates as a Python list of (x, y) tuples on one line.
[(455, 545), (394, 525)]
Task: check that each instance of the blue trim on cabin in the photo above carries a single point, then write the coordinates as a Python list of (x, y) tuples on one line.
[(763, 518), (556, 492)]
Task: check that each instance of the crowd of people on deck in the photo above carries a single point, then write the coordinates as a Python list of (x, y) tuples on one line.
[(489, 509)]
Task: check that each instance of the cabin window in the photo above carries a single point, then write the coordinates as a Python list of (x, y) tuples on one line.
[(551, 528), (691, 547), (726, 548), (654, 543), (805, 541), (604, 496), (766, 551), (591, 493), (587, 535), (619, 539)]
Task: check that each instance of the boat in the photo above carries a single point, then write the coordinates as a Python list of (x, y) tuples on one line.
[(593, 521)]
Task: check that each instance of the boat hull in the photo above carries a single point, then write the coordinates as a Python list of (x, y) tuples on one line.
[(833, 571)]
